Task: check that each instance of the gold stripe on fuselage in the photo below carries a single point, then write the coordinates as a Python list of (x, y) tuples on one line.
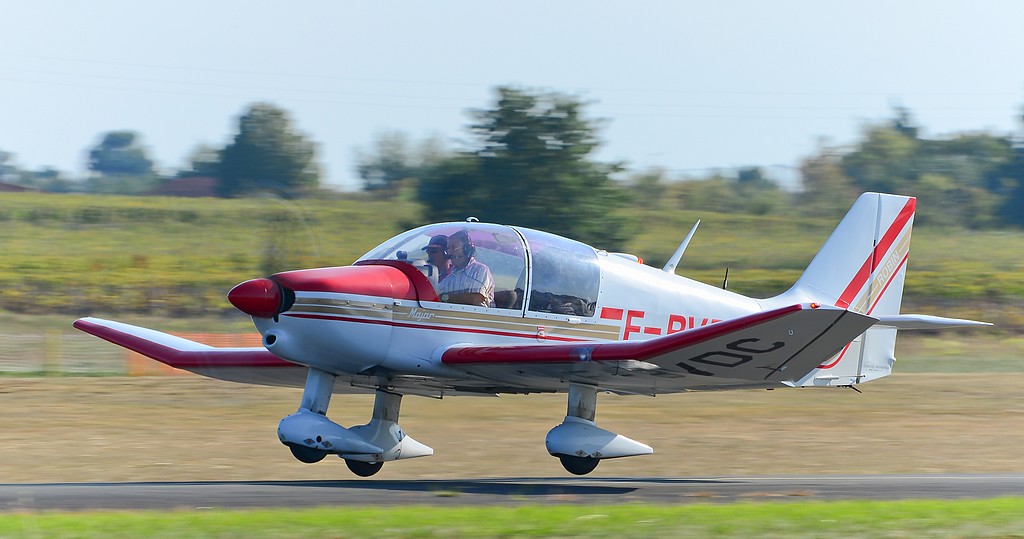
[(446, 319), (508, 323), (341, 307)]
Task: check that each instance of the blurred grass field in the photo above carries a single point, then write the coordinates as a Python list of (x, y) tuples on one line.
[(71, 429), (173, 257)]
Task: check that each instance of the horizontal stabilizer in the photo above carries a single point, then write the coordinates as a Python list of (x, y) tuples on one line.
[(924, 321)]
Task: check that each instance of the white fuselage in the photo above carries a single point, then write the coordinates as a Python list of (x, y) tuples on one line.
[(351, 333)]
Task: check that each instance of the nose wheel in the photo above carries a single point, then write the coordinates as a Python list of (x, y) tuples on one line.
[(307, 454), (364, 469)]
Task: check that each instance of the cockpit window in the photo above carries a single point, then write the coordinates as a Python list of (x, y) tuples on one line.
[(566, 275), (468, 263)]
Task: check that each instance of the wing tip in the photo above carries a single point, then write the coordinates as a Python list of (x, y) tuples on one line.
[(88, 324)]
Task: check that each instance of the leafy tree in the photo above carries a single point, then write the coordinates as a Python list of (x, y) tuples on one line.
[(752, 177), (885, 161), (904, 123), (393, 158), (45, 179), (1012, 177), (388, 162), (8, 170), (50, 180), (203, 161), (531, 166), (758, 193), (827, 191), (120, 165), (648, 189), (268, 155), (120, 154), (714, 193), (959, 180)]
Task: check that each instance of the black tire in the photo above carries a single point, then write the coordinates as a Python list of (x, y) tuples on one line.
[(307, 454), (578, 465), (363, 469)]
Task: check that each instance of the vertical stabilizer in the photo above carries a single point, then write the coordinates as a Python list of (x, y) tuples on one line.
[(861, 267)]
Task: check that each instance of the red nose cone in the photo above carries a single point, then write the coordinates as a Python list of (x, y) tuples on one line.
[(257, 297)]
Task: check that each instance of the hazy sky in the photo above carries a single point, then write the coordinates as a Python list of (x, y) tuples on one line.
[(685, 86)]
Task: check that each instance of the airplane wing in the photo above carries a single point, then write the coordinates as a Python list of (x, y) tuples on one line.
[(770, 347), (254, 365), (246, 365)]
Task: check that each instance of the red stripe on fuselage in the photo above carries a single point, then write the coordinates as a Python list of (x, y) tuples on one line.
[(457, 329), (877, 254), (612, 313)]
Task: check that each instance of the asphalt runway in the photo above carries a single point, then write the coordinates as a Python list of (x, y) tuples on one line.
[(510, 491)]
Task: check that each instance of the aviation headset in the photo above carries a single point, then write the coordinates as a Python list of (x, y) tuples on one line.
[(468, 248)]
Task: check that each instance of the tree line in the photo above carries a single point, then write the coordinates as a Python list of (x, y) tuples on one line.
[(529, 160), (267, 154)]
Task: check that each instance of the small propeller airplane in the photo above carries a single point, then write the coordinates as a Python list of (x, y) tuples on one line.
[(471, 308)]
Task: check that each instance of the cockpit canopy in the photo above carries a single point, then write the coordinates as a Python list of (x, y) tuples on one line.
[(544, 272)]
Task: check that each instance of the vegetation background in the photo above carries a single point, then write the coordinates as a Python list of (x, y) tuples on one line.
[(111, 245)]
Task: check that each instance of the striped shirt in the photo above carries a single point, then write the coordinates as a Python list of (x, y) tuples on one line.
[(474, 278)]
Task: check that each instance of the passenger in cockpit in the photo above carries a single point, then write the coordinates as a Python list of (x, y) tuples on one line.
[(470, 282), (437, 255)]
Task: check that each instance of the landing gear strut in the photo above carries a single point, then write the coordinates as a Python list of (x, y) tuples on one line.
[(311, 436)]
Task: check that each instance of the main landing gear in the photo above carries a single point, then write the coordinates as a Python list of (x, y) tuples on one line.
[(579, 443), (311, 436), (305, 454), (363, 469), (578, 465)]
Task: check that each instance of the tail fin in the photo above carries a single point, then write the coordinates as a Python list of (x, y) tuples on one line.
[(861, 268)]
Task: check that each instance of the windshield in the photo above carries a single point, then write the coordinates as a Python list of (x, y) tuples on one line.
[(468, 263)]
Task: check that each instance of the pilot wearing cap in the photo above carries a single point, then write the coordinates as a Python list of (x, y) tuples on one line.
[(437, 255)]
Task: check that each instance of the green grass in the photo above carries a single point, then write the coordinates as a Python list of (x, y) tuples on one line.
[(981, 351), (170, 256), (999, 517), (766, 254), (174, 257)]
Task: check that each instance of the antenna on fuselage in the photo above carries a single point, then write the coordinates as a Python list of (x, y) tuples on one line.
[(670, 266), (725, 282)]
